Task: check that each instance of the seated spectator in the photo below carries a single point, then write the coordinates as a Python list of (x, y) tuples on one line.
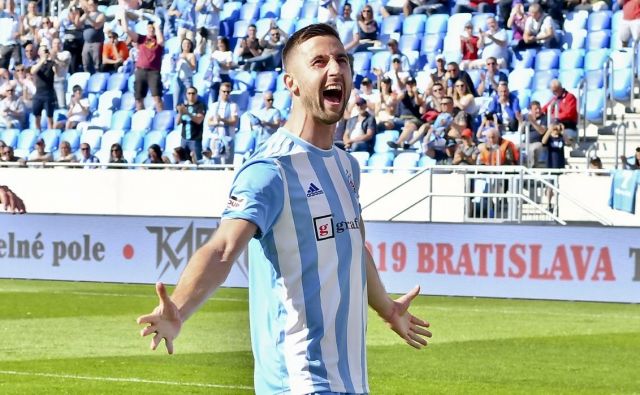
[(39, 154), (396, 74), (185, 69), (9, 156), (45, 97), (437, 133), (632, 162), (114, 53), (366, 91), (93, 21), (77, 112), (360, 131), (367, 32), (506, 106), (553, 142), (62, 60), (221, 65), (9, 36), (181, 157), (249, 46), (438, 76), (517, 20), (463, 99), (595, 163), (629, 31), (467, 151), (493, 44), (386, 109), (115, 155), (453, 75), (468, 46), (12, 112), (222, 123), (86, 156), (271, 57), (490, 79), (539, 30), (432, 102), (65, 154), (563, 107), (268, 119), (498, 151), (155, 156), (190, 118), (30, 57), (395, 52), (489, 122), (537, 128)]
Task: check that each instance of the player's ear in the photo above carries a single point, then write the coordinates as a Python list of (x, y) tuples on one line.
[(292, 84)]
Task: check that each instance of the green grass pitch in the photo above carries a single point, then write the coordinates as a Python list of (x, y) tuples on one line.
[(81, 338)]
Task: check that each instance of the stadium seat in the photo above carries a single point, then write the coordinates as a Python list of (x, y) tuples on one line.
[(131, 83), (93, 137), (309, 10), (109, 100), (456, 22), (117, 82), (141, 120), (409, 43), (451, 43), (101, 120), (304, 22), (599, 20), (620, 83), (241, 98), (426, 161), (154, 137), (282, 100), (547, 59), (571, 59), (80, 78), (127, 101), (361, 62), (270, 9), (523, 59), (291, 9), (542, 96), (256, 101), (520, 79), (10, 136), (570, 79), (380, 162), (132, 141), (542, 78), (111, 137), (391, 24), (382, 138), (598, 39), (406, 162), (432, 43), (265, 81), (248, 13), (204, 63), (230, 11), (97, 82), (240, 27), (141, 156), (243, 80), (615, 22), (436, 24), (362, 157), (479, 21), (51, 139), (575, 21), (414, 24), (595, 60), (164, 120), (524, 97), (72, 136), (173, 140), (475, 75), (121, 120), (595, 105), (594, 79), (574, 40), (381, 60)]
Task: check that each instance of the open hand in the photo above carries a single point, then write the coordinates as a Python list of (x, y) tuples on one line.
[(10, 201), (409, 327), (165, 321)]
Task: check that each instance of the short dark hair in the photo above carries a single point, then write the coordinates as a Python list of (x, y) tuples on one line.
[(305, 34), (534, 103), (76, 88)]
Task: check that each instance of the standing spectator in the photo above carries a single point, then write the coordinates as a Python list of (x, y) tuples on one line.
[(12, 113), (269, 119), (31, 22), (86, 156), (554, 144), (632, 162), (630, 24), (207, 22), (93, 35), (180, 20), (65, 154), (453, 75), (360, 132), (367, 31), (40, 154), (30, 55), (25, 87), (114, 53), (222, 122), (467, 151), (45, 97), (148, 64), (498, 151), (9, 36), (221, 65), (537, 128), (78, 110), (271, 57), (490, 78), (115, 155), (249, 45), (191, 117), (47, 32), (506, 106), (71, 31), (468, 46), (567, 110), (62, 60), (539, 29), (493, 44), (185, 69), (516, 22)]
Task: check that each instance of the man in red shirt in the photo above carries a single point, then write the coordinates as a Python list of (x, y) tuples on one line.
[(468, 46), (147, 75), (567, 113), (630, 23)]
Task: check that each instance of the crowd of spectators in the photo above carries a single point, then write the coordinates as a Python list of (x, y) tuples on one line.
[(449, 118)]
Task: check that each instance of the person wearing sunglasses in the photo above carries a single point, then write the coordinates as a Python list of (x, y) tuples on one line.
[(265, 121), (367, 32), (86, 156), (191, 118), (115, 154), (222, 123)]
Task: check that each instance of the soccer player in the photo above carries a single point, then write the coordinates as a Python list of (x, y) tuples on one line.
[(10, 201), (295, 202)]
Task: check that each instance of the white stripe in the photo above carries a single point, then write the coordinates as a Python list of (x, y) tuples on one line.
[(355, 328), (327, 274), (124, 380)]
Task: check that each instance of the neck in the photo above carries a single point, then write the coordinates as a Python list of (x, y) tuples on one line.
[(314, 132)]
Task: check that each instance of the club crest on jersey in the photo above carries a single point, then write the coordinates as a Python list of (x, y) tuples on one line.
[(236, 203), (313, 190), (324, 227), (350, 180)]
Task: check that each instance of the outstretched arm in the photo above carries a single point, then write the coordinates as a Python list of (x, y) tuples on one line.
[(10, 201), (206, 271), (395, 312)]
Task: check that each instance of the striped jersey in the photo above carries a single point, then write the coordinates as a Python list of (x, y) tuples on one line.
[(307, 273)]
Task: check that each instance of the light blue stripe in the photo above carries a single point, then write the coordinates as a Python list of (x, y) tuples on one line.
[(309, 270), (343, 244)]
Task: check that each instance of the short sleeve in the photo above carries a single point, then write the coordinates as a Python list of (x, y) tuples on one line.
[(257, 195)]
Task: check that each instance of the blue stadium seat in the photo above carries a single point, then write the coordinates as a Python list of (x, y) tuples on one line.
[(111, 137), (140, 157), (362, 157), (97, 82), (621, 84), (391, 24), (72, 136), (265, 81), (436, 24), (571, 59), (10, 136), (270, 9), (379, 162), (80, 78), (26, 140), (241, 98), (575, 39), (304, 22), (414, 24), (595, 60), (594, 78), (164, 120), (240, 28), (244, 141), (409, 43), (280, 82), (382, 138), (451, 43), (520, 79), (523, 59), (479, 21), (248, 13), (547, 59), (381, 60), (615, 22), (256, 101), (204, 63), (361, 62), (426, 161), (117, 82), (576, 20), (101, 120), (598, 39), (154, 137), (282, 100), (595, 105), (127, 101), (133, 141), (173, 140), (309, 10), (543, 96), (570, 78), (456, 22), (141, 120), (542, 78), (243, 80), (51, 139), (121, 120), (432, 43), (599, 20), (291, 10), (524, 97), (93, 137), (475, 75), (416, 61), (109, 100), (131, 83), (621, 59), (406, 162), (288, 25)]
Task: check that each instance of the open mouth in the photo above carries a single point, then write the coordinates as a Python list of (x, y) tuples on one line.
[(333, 94)]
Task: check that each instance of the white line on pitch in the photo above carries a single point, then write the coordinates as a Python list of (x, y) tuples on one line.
[(125, 380), (151, 295)]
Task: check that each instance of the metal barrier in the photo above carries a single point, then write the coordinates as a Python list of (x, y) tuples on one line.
[(582, 103), (607, 88), (624, 126)]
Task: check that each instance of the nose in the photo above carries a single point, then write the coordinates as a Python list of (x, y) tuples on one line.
[(333, 66)]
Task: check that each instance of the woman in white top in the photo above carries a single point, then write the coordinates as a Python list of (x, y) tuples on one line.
[(31, 23), (78, 110), (221, 63), (185, 68)]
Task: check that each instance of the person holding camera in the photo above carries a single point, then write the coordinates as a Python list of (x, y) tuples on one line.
[(191, 117), (45, 98), (553, 141)]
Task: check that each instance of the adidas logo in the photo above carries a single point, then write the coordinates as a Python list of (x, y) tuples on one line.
[(314, 190)]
